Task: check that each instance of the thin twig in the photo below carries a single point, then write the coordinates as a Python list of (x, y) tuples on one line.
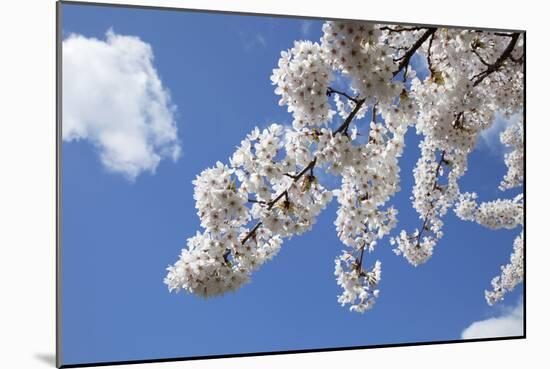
[(360, 262), (427, 216), (401, 29), (261, 202), (331, 91), (474, 50)]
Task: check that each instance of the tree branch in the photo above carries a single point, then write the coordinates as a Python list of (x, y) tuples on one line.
[(295, 178), (504, 34), (430, 66), (251, 233), (261, 202), (474, 50), (344, 126), (507, 53), (404, 60), (427, 216), (360, 261), (331, 91), (400, 29)]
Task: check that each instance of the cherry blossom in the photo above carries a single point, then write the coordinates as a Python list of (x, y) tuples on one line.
[(511, 274), (270, 189), (302, 80), (513, 137), (497, 214)]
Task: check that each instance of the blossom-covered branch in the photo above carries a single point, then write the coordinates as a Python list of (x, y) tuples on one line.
[(491, 68), (269, 191)]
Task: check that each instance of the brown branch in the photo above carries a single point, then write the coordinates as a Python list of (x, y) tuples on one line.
[(331, 91), (272, 203), (360, 262), (226, 255), (252, 232), (404, 60), (474, 50), (261, 202), (399, 29), (459, 121), (427, 216), (276, 199), (507, 53), (430, 66), (344, 126), (503, 34)]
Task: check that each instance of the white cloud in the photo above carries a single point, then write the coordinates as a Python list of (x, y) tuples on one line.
[(114, 99), (491, 136), (250, 42), (305, 27), (261, 40), (510, 323)]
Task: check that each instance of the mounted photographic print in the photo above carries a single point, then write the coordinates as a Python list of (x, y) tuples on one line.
[(237, 184)]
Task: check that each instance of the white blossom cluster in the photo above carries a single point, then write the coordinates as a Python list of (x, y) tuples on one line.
[(357, 50), (511, 274), (359, 285), (455, 103), (513, 137), (302, 80), (299, 200), (270, 190), (501, 213), (220, 205), (463, 90), (204, 267), (344, 107), (222, 258), (498, 214), (431, 200), (369, 179), (460, 97)]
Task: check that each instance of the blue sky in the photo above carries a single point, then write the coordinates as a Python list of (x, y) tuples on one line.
[(119, 235)]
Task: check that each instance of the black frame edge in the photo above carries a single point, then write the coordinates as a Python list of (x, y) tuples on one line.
[(278, 15), (58, 118)]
